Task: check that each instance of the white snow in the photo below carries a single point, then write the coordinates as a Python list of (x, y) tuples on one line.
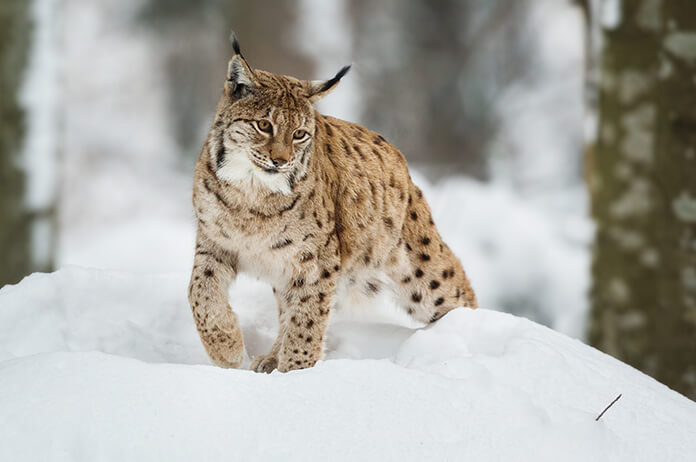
[(104, 365)]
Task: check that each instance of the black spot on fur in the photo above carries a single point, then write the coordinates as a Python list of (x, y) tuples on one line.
[(425, 240), (414, 216), (281, 244), (220, 155), (291, 180), (309, 339), (307, 256), (321, 296), (377, 154), (389, 222), (208, 273), (290, 206), (310, 323), (416, 297), (434, 284), (439, 301), (419, 273), (299, 282), (406, 280), (424, 257), (326, 274), (360, 153), (372, 287)]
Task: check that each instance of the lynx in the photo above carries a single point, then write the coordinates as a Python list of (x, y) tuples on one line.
[(317, 207)]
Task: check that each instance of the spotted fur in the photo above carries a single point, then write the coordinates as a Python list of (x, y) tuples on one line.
[(311, 204)]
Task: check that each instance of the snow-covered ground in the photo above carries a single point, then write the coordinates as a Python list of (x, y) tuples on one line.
[(104, 365)]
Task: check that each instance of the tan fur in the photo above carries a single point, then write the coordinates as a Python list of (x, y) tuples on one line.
[(341, 212)]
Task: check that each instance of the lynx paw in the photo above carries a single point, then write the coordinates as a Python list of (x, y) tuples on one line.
[(224, 343), (264, 363)]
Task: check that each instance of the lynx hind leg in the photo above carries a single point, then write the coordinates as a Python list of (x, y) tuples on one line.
[(430, 279)]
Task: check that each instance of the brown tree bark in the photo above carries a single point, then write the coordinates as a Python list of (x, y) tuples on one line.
[(643, 186)]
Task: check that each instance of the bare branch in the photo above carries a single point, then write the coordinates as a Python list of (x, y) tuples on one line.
[(606, 408)]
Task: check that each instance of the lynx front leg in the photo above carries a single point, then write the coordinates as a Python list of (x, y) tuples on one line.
[(213, 271), (305, 319)]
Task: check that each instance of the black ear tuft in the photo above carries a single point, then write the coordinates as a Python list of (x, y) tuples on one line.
[(331, 82), (235, 43)]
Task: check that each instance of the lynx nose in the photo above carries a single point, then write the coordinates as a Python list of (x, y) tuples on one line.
[(279, 161)]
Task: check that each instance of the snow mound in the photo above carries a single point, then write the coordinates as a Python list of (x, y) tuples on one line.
[(98, 365)]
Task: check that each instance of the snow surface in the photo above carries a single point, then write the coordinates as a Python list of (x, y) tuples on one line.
[(105, 365)]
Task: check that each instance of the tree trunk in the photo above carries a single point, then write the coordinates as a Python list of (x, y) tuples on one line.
[(15, 222), (643, 186)]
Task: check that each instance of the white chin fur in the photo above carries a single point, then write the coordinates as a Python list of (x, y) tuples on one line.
[(240, 171)]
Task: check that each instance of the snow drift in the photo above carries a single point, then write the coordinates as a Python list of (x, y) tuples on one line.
[(99, 365)]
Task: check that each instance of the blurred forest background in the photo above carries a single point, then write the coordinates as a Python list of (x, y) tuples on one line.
[(561, 133)]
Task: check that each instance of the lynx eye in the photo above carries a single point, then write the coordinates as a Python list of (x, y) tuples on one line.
[(300, 134), (264, 126)]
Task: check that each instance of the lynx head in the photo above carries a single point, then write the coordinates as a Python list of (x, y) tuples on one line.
[(264, 127)]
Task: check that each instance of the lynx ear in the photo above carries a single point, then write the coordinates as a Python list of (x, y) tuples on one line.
[(320, 88), (240, 77)]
